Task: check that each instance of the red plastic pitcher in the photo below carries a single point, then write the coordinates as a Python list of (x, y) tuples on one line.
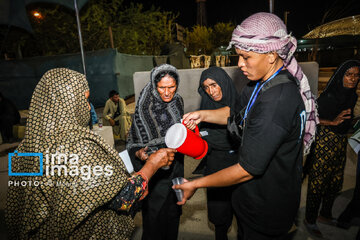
[(186, 141)]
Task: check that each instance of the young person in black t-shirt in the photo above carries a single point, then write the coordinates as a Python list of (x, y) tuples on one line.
[(274, 118)]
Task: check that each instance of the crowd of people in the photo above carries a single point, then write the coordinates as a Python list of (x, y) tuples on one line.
[(253, 170)]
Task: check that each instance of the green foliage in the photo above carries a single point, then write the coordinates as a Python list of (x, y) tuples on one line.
[(55, 33), (135, 31), (222, 34), (203, 40), (96, 20), (143, 32), (198, 40)]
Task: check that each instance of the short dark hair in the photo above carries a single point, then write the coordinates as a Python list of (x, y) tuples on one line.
[(160, 75), (113, 93)]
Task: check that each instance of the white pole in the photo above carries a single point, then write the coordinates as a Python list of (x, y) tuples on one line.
[(285, 17), (271, 3), (80, 37)]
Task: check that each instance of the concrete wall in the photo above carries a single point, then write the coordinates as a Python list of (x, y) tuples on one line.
[(189, 82), (311, 70)]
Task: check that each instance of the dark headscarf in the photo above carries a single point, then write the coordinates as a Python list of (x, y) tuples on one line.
[(229, 93), (218, 137), (337, 98), (153, 117)]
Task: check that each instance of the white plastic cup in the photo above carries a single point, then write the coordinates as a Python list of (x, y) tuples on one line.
[(179, 192)]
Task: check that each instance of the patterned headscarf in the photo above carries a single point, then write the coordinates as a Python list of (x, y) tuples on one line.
[(265, 32), (153, 117), (65, 206)]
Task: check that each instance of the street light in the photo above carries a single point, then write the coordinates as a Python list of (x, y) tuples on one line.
[(37, 15), (286, 17), (271, 6)]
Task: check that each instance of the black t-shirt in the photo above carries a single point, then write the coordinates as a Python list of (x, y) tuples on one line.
[(271, 151)]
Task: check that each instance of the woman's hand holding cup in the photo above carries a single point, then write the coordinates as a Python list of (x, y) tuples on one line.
[(162, 157), (142, 154)]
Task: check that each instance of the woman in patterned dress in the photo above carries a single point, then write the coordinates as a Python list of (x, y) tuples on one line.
[(86, 193), (328, 155), (159, 107)]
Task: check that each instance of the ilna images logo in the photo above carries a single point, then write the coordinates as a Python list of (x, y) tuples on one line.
[(16, 153)]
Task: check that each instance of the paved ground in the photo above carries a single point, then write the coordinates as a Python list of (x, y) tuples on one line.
[(195, 226)]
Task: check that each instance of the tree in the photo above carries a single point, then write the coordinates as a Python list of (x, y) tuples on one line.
[(135, 31), (204, 40), (55, 33), (144, 32), (198, 40), (222, 34)]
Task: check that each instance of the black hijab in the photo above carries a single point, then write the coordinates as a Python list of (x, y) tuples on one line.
[(218, 137), (337, 98), (229, 93)]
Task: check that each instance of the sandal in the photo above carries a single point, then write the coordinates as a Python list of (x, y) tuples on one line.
[(313, 229), (327, 221)]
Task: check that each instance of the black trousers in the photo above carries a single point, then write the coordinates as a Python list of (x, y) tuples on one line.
[(245, 232), (6, 128), (220, 211), (353, 208), (162, 225)]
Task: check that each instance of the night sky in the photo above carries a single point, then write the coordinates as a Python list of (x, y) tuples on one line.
[(304, 15)]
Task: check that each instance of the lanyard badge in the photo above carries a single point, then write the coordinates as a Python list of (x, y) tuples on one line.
[(254, 95)]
